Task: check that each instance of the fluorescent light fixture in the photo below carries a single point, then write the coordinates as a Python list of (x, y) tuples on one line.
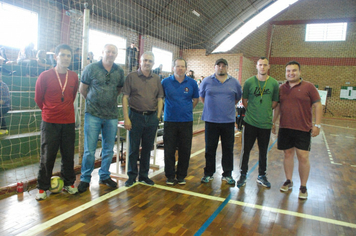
[(253, 24), (196, 13)]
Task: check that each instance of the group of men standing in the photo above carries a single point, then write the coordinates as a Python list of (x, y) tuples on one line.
[(293, 101), (143, 93)]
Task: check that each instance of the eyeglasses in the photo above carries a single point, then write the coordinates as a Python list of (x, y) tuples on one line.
[(107, 78)]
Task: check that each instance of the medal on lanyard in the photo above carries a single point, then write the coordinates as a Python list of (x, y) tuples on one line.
[(63, 88), (261, 91)]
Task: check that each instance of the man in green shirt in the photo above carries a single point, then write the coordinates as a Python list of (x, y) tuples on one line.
[(260, 97)]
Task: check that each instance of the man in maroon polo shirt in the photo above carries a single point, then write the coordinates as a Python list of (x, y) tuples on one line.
[(297, 99)]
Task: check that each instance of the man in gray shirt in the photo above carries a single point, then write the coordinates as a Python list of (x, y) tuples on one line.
[(143, 93), (100, 85)]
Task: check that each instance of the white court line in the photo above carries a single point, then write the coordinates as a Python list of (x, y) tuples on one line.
[(43, 226), (264, 208), (339, 126), (328, 149)]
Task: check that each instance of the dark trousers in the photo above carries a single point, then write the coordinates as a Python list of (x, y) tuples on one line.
[(177, 134), (132, 63), (226, 131), (3, 112), (54, 137), (240, 117), (250, 134), (143, 131)]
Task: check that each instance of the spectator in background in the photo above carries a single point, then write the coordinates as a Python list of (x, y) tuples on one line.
[(158, 71), (191, 74), (240, 110), (77, 60), (27, 58), (3, 56), (4, 106), (42, 62), (50, 57), (90, 57), (131, 54)]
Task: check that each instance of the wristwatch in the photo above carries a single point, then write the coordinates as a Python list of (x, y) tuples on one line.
[(318, 126)]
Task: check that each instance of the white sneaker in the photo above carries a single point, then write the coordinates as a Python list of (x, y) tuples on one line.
[(41, 195), (70, 189)]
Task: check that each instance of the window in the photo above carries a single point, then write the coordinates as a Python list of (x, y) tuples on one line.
[(163, 57), (97, 41), (20, 31), (326, 32)]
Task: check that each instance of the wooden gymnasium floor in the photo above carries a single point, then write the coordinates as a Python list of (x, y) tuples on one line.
[(208, 209)]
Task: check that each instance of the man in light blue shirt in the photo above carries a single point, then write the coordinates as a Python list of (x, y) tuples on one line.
[(220, 93)]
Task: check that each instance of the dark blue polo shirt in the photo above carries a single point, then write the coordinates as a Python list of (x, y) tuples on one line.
[(178, 105)]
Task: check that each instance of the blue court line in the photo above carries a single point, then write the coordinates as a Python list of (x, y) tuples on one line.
[(213, 216)]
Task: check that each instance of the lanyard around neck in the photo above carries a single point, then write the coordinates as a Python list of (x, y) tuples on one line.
[(63, 88), (263, 89)]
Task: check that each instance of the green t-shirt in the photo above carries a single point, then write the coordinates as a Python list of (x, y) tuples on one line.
[(259, 112)]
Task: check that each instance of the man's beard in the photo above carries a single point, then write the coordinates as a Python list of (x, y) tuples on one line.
[(221, 74)]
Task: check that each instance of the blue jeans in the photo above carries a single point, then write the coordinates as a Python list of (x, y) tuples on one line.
[(92, 127), (143, 131), (226, 132)]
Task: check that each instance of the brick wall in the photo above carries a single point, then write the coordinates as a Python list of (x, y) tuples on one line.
[(203, 65), (323, 63)]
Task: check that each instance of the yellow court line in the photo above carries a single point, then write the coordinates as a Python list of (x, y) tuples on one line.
[(264, 208), (41, 227)]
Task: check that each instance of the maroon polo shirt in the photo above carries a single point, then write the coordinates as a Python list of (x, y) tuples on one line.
[(296, 105)]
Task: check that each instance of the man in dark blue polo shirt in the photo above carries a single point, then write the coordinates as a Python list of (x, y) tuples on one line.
[(181, 96)]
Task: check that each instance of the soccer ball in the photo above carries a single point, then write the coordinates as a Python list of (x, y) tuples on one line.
[(56, 184)]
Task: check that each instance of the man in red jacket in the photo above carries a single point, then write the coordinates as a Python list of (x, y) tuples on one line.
[(56, 90)]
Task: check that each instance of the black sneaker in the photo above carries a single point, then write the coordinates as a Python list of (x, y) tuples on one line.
[(109, 182), (262, 180), (83, 186), (130, 182), (147, 181), (181, 181), (242, 181), (170, 181)]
